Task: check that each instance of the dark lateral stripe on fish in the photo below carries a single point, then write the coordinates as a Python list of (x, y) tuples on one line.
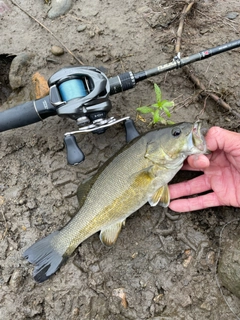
[(45, 258)]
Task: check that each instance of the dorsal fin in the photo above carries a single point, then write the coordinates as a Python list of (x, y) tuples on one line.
[(84, 189)]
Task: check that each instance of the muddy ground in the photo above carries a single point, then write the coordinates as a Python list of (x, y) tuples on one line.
[(166, 268)]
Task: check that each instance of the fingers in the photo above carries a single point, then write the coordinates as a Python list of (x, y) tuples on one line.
[(194, 186), (196, 162), (218, 138), (192, 204)]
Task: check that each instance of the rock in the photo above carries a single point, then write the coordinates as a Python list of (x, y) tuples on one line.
[(16, 279), (229, 267), (57, 51), (59, 7), (81, 27), (40, 85), (18, 69), (91, 33), (232, 15)]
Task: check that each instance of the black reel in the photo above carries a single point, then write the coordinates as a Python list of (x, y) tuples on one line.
[(82, 94)]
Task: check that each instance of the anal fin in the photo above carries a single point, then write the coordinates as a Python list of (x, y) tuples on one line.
[(161, 196), (109, 235)]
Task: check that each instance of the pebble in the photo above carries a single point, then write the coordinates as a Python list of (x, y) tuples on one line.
[(59, 7), (16, 278), (57, 51), (81, 27), (91, 34), (232, 15)]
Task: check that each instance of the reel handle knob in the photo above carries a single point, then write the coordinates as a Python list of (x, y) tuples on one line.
[(74, 153), (131, 131)]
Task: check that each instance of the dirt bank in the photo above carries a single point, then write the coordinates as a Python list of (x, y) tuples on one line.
[(166, 268)]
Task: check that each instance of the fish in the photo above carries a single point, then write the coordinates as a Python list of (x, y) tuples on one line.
[(137, 174)]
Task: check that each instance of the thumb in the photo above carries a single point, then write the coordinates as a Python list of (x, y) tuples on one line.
[(198, 161)]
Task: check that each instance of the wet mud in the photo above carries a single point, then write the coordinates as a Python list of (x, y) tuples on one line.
[(163, 265)]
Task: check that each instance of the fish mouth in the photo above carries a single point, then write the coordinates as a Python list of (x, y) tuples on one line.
[(198, 140)]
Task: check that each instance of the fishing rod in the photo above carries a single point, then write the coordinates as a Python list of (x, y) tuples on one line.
[(82, 94)]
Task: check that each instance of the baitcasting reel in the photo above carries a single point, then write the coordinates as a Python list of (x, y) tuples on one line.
[(82, 94)]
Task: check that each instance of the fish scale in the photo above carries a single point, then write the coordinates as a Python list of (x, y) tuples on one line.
[(137, 174)]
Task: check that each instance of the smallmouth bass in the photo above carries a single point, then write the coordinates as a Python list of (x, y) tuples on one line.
[(138, 173)]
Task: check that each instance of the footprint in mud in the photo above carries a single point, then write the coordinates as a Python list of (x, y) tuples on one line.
[(63, 180)]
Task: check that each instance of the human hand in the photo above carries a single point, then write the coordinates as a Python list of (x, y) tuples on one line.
[(221, 175)]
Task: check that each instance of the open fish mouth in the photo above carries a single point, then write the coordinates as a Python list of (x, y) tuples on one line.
[(197, 137)]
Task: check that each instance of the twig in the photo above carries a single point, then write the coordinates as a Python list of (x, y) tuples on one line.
[(217, 99), (42, 25), (185, 11)]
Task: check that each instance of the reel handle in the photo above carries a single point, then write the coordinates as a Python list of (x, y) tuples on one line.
[(74, 153), (131, 131)]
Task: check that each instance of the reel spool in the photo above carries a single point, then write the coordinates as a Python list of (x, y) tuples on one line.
[(71, 89), (81, 93)]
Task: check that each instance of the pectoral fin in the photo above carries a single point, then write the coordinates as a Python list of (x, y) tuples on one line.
[(162, 196), (144, 176), (109, 236)]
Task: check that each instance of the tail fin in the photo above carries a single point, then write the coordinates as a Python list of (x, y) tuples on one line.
[(45, 257)]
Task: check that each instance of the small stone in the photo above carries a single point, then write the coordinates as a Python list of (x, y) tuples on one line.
[(185, 301), (232, 15), (31, 204), (187, 261), (134, 255), (91, 34), (2, 200), (16, 278), (210, 258), (59, 7), (75, 312), (120, 292), (206, 306), (81, 28), (57, 51), (158, 298)]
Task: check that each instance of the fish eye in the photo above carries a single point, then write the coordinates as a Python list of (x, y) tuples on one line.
[(176, 132)]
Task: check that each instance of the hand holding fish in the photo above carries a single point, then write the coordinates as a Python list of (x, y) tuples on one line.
[(221, 175)]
